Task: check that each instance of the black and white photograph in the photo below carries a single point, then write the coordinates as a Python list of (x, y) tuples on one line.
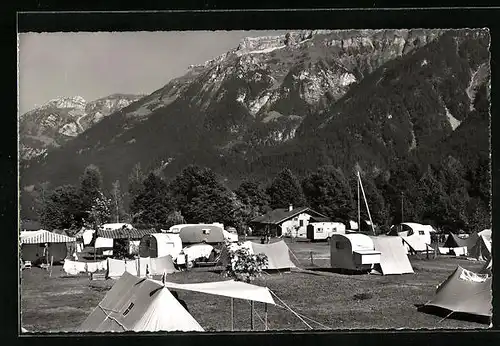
[(254, 180)]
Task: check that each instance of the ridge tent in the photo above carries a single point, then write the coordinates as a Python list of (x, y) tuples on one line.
[(354, 251), (278, 255), (481, 250), (464, 292), (135, 304), (453, 241), (414, 244), (159, 245), (393, 257)]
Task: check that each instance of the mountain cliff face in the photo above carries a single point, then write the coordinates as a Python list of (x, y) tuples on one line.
[(59, 120), (303, 99)]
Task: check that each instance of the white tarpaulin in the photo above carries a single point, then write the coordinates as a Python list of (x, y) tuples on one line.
[(87, 236), (75, 267), (230, 288), (414, 243), (198, 251), (101, 242)]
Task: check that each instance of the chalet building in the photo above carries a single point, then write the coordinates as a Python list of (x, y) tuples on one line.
[(287, 221)]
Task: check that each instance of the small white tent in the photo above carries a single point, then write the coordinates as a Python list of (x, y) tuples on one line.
[(353, 251), (393, 258), (135, 304), (481, 250)]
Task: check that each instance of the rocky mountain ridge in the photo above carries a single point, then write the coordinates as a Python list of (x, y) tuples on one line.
[(61, 119), (341, 98)]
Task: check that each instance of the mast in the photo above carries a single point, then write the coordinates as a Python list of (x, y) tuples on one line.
[(359, 205), (402, 196), (366, 203)]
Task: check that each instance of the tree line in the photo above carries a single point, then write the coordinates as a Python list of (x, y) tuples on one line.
[(447, 196)]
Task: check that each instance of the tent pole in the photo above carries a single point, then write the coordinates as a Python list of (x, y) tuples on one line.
[(251, 315), (265, 316), (446, 316), (366, 202), (232, 314)]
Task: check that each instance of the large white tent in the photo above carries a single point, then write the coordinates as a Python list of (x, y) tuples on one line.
[(393, 258), (33, 244)]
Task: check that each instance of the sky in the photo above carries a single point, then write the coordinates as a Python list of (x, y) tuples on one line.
[(95, 65)]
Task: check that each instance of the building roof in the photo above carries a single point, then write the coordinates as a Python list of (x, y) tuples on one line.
[(124, 233), (282, 214)]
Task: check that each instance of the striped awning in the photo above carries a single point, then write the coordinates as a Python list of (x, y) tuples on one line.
[(42, 236), (125, 233)]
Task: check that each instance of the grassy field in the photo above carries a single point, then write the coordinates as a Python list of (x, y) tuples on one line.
[(61, 303)]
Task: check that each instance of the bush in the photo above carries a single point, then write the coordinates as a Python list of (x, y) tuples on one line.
[(245, 266)]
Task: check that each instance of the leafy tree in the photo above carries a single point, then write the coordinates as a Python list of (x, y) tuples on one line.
[(435, 202), (253, 197), (90, 186), (100, 211), (245, 266), (152, 204), (479, 215), (117, 210), (62, 208), (41, 192), (175, 218), (285, 189), (201, 197), (327, 191), (376, 203), (135, 179)]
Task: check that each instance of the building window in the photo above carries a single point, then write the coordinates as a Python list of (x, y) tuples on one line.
[(320, 230), (301, 223)]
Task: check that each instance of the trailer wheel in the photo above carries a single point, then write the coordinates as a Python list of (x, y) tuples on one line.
[(328, 239)]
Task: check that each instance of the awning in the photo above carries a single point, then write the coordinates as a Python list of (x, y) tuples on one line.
[(136, 234), (42, 236), (230, 288)]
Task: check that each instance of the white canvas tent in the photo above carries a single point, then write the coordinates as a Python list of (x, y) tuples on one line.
[(481, 250), (135, 304), (393, 258)]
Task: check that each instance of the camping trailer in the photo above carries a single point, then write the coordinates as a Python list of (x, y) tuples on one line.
[(159, 245), (353, 251), (414, 230), (324, 230), (201, 233)]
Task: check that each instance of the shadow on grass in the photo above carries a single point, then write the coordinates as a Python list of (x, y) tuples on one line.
[(336, 271), (448, 314)]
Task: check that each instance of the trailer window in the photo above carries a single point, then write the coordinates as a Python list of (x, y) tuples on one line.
[(421, 232), (320, 230)]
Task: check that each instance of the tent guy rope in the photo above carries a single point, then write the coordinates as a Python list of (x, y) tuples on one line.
[(307, 324)]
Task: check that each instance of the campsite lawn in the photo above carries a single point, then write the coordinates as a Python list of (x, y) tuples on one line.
[(61, 303)]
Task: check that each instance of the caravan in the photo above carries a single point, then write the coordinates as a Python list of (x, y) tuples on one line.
[(324, 230)]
